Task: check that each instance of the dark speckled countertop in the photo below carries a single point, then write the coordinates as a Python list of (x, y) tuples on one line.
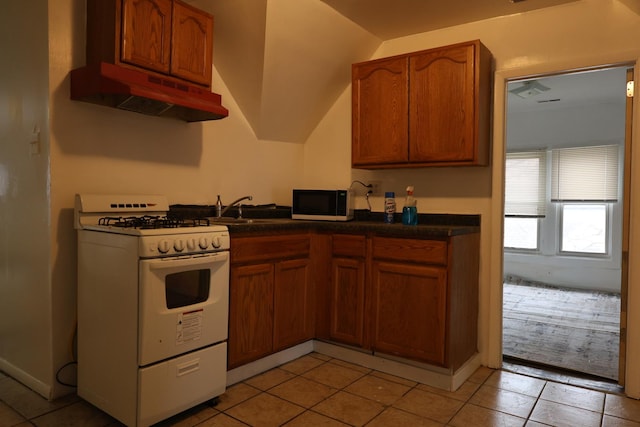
[(355, 227), (274, 218)]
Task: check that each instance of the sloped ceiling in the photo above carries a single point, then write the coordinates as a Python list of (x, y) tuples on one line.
[(287, 61), (389, 20), (634, 5)]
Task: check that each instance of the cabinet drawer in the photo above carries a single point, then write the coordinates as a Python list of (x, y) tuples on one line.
[(269, 247), (424, 251), (348, 245)]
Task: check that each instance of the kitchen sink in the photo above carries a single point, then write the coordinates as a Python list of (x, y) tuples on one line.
[(229, 220)]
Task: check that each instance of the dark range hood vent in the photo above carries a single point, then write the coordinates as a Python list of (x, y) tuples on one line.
[(132, 90)]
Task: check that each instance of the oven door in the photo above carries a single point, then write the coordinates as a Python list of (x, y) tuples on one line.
[(184, 304)]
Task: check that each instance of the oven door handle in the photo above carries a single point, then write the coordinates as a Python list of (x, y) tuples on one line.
[(163, 263)]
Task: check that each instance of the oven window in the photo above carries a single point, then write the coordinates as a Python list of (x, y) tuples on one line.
[(187, 288)]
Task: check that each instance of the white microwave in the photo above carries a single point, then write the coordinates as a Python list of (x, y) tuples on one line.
[(322, 205)]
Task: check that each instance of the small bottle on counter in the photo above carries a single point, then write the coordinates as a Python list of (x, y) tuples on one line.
[(218, 207), (389, 207), (410, 209)]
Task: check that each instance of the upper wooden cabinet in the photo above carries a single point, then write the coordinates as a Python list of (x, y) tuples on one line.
[(168, 37), (146, 34), (191, 43), (427, 108), (380, 112)]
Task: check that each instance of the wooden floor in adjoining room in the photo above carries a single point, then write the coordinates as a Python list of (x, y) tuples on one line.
[(571, 329)]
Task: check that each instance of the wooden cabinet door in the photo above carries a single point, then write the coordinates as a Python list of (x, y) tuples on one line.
[(192, 44), (427, 108), (293, 304), (442, 121), (380, 112), (347, 301), (146, 34), (410, 309), (250, 313)]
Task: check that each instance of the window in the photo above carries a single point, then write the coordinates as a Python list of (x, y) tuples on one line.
[(525, 198), (585, 174), (572, 218), (521, 233), (584, 180), (584, 228)]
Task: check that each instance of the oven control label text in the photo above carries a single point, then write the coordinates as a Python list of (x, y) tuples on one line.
[(189, 326)]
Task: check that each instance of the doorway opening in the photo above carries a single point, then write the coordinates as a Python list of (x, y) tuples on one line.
[(563, 292)]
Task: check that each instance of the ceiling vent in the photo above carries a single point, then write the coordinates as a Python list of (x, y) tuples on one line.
[(529, 89)]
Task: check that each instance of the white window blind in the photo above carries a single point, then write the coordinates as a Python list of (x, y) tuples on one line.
[(585, 174), (525, 184)]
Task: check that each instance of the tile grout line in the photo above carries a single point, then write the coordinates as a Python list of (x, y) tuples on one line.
[(332, 394), (342, 389), (536, 402)]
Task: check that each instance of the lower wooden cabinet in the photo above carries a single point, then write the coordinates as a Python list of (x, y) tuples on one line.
[(409, 317), (293, 304), (347, 301), (347, 285), (407, 297), (425, 298), (271, 296), (250, 313)]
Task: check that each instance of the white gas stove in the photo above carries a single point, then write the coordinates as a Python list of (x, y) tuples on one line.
[(153, 295)]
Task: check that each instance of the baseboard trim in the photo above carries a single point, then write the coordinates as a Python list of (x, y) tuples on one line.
[(269, 362), (27, 380), (425, 374)]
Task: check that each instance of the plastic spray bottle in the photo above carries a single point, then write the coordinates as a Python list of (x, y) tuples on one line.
[(389, 207), (410, 209)]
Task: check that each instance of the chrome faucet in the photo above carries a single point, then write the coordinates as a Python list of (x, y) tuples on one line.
[(232, 204)]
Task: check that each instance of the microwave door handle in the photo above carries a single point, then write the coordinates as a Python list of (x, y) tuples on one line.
[(158, 264)]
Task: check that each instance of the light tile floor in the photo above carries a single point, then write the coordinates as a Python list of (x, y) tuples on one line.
[(316, 390)]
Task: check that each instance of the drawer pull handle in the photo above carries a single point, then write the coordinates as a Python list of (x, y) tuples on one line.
[(188, 367)]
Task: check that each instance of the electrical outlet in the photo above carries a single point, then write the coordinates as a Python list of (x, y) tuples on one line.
[(34, 144), (375, 188)]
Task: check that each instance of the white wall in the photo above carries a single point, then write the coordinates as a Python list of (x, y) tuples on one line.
[(578, 125), (25, 284)]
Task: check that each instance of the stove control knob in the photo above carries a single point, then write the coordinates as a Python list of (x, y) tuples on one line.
[(178, 245), (191, 244), (163, 246), (215, 242), (204, 243)]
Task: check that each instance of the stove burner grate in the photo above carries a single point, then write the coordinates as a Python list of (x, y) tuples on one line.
[(151, 221)]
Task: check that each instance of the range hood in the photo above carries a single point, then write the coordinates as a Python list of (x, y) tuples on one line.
[(119, 87)]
